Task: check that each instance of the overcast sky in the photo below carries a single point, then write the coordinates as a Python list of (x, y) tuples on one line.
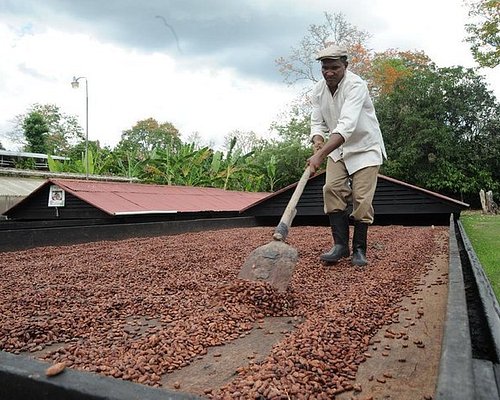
[(207, 66)]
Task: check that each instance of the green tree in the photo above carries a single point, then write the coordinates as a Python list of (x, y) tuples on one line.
[(147, 135), (141, 147), (35, 130), (63, 133), (280, 161), (484, 32), (391, 65), (440, 128)]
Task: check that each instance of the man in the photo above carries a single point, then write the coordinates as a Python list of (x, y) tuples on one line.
[(343, 110)]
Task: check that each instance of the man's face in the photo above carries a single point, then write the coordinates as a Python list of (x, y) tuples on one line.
[(333, 71)]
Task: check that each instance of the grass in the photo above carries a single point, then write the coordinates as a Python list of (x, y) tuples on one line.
[(484, 234)]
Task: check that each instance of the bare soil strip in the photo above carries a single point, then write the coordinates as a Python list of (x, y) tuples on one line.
[(405, 365), (221, 364)]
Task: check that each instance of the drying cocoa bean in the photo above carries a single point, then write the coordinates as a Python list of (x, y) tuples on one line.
[(55, 369), (140, 308)]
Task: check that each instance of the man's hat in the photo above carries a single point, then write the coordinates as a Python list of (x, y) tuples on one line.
[(332, 52)]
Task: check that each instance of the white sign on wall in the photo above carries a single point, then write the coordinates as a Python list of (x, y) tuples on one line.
[(56, 196)]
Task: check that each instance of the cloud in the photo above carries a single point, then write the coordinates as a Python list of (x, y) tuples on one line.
[(33, 73), (244, 35)]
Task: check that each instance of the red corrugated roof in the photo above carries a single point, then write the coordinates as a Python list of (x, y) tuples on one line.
[(117, 198)]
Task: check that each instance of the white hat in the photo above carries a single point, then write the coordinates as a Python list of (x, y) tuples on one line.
[(333, 52)]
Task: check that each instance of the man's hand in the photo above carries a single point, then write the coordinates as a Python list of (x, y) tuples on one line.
[(318, 143), (318, 146), (323, 149), (315, 161)]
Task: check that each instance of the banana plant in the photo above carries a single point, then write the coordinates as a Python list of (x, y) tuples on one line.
[(131, 167), (271, 172), (55, 165)]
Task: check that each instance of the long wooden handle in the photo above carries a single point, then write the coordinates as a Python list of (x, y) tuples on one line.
[(281, 231)]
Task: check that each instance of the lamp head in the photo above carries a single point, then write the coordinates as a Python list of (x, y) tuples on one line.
[(74, 83)]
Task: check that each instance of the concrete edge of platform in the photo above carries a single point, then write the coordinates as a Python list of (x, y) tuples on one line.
[(22, 239), (23, 378), (456, 379)]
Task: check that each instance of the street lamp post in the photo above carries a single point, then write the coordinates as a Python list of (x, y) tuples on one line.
[(75, 85)]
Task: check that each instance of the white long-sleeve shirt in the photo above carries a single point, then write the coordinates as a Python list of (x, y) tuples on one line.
[(349, 112)]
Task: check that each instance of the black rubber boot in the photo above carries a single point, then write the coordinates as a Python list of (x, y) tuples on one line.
[(359, 244), (339, 221)]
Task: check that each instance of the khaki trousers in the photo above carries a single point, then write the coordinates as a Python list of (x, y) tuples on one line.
[(337, 192)]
